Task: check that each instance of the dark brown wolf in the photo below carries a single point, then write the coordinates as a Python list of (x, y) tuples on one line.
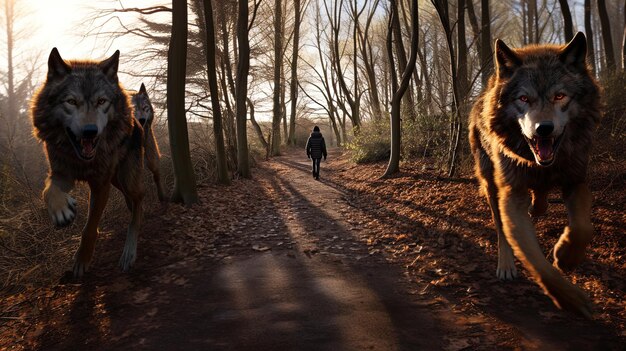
[(84, 119), (144, 114), (530, 131)]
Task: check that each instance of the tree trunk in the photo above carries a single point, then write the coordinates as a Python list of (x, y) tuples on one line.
[(394, 158), (442, 9), (218, 134), (402, 61), (256, 125), (609, 53), (589, 33), (278, 51), (184, 177), (567, 20), (11, 112), (462, 51), (335, 23), (486, 54), (241, 89), (624, 41), (293, 91)]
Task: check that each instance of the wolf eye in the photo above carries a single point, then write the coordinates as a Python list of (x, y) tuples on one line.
[(101, 101), (71, 101), (559, 96), (523, 98)]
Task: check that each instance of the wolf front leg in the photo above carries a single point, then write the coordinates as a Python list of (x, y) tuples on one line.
[(61, 206), (520, 233), (98, 198), (569, 251)]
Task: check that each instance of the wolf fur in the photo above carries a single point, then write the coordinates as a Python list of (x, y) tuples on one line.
[(144, 114), (84, 119), (530, 131)]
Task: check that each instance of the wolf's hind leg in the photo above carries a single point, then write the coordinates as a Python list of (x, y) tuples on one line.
[(97, 202), (569, 251), (539, 206), (61, 206), (152, 161)]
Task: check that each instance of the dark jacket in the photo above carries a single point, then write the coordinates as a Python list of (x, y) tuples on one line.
[(315, 146)]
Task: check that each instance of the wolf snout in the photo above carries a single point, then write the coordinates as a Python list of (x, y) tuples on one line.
[(90, 131), (544, 129)]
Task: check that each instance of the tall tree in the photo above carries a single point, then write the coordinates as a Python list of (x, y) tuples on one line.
[(402, 61), (567, 20), (293, 89), (184, 177), (455, 123), (241, 86), (589, 32), (486, 56), (11, 111), (218, 133), (624, 41), (278, 52), (399, 89), (462, 51), (605, 25)]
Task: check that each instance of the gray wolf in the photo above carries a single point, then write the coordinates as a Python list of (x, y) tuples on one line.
[(84, 119), (531, 131), (144, 114), (315, 149)]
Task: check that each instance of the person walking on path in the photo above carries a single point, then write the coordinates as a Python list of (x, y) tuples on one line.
[(315, 149)]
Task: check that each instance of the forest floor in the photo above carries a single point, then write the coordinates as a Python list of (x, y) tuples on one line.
[(350, 262)]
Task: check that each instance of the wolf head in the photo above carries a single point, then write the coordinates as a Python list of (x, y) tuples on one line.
[(82, 98), (540, 90), (142, 106)]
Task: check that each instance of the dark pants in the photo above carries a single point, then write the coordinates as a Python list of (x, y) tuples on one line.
[(316, 167)]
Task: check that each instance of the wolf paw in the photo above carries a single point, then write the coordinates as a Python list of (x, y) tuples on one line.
[(567, 255), (506, 266), (506, 272), (62, 211), (571, 298), (80, 268), (128, 256)]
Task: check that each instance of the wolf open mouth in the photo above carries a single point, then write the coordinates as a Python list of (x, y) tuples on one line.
[(85, 147), (544, 149)]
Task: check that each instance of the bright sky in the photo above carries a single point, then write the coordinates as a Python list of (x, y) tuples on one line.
[(63, 24)]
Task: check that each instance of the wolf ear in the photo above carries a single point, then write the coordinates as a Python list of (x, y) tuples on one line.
[(575, 52), (506, 60), (56, 66), (143, 89), (109, 66)]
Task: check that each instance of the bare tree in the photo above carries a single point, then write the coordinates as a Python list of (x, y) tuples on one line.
[(589, 32), (293, 90), (567, 20), (609, 53), (278, 53), (220, 151), (455, 124), (243, 67), (399, 89), (486, 57), (184, 177)]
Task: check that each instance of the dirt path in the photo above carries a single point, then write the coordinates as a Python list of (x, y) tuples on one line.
[(281, 262)]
